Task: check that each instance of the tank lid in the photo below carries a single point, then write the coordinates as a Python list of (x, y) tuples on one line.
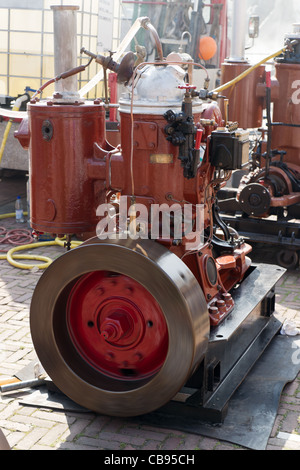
[(155, 90)]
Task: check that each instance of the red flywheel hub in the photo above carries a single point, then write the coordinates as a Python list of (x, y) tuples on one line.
[(117, 326)]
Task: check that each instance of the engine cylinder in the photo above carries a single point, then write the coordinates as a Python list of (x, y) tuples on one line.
[(62, 196), (245, 104), (157, 169), (287, 111)]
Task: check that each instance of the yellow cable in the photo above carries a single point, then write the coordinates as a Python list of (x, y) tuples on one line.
[(246, 72), (5, 136)]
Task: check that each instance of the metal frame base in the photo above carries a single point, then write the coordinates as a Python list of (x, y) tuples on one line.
[(272, 230), (234, 347)]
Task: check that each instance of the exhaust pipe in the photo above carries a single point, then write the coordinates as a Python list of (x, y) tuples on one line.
[(238, 40), (65, 52)]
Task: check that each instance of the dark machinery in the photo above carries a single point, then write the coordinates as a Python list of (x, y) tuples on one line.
[(265, 205), (135, 315)]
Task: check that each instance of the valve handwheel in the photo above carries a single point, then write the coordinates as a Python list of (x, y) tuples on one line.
[(187, 87)]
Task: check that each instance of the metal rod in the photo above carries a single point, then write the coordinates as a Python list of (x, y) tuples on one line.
[(285, 124), (23, 384), (105, 85), (269, 122)]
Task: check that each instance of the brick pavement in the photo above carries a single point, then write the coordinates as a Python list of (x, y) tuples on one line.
[(30, 428)]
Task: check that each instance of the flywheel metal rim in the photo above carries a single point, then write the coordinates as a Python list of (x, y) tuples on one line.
[(190, 327)]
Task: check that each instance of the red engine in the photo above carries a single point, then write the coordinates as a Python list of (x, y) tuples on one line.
[(137, 311)]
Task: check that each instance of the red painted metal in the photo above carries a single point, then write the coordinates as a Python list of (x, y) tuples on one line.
[(247, 100), (74, 170), (23, 134), (287, 110), (113, 88), (198, 139), (63, 200), (159, 182), (249, 115), (117, 326)]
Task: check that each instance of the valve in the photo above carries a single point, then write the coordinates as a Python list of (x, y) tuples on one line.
[(189, 93), (182, 132), (124, 70), (187, 87)]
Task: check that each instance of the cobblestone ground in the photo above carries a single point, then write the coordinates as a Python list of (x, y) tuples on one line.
[(30, 428)]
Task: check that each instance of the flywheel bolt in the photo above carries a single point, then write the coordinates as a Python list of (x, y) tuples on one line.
[(110, 332), (115, 326), (138, 356), (213, 310), (227, 298), (221, 305), (110, 356)]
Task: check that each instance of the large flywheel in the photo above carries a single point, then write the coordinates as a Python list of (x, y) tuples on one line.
[(119, 325)]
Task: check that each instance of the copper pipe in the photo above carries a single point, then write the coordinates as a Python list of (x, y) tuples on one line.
[(147, 25)]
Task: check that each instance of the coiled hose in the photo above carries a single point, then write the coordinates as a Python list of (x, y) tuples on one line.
[(16, 237)]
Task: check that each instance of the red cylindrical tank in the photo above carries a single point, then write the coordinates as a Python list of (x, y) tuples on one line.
[(287, 111), (245, 104), (63, 199)]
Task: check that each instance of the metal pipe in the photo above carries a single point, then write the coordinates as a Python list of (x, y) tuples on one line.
[(269, 123), (18, 385), (146, 24), (239, 15), (116, 56), (65, 50)]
